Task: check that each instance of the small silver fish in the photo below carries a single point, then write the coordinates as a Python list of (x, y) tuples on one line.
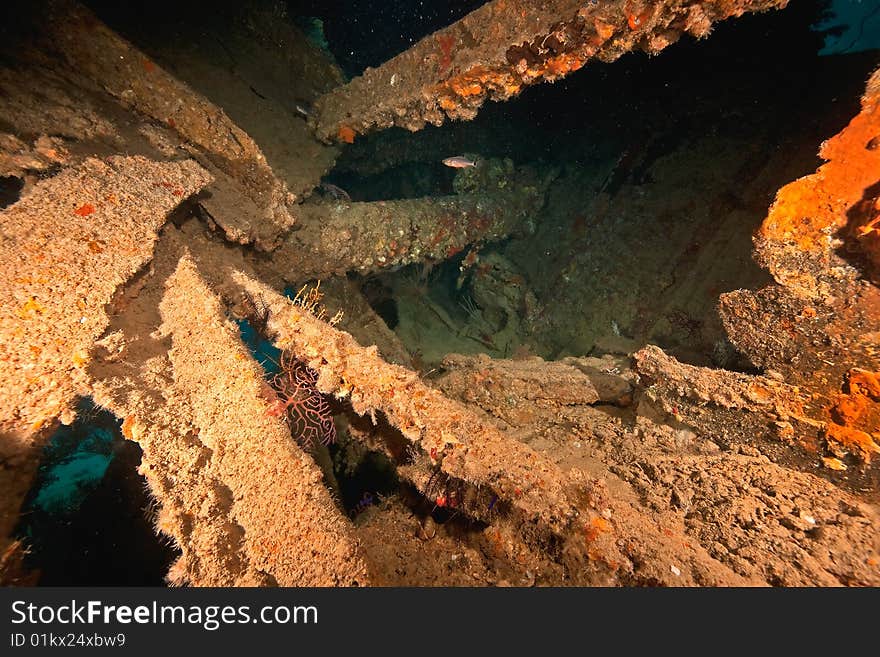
[(304, 109), (459, 162)]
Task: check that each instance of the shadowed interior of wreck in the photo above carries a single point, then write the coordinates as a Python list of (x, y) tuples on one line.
[(88, 518), (607, 212), (661, 162)]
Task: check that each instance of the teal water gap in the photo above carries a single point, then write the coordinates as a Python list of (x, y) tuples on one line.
[(87, 517)]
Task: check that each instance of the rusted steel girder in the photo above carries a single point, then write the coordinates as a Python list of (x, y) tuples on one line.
[(366, 237), (504, 46), (494, 201), (242, 503)]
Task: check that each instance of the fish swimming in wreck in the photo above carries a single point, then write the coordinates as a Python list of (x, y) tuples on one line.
[(303, 108), (459, 162), (335, 192)]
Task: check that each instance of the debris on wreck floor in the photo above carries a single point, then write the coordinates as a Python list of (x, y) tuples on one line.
[(682, 448), (416, 391)]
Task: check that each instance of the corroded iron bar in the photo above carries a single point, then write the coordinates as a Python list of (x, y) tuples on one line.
[(504, 46), (367, 237)]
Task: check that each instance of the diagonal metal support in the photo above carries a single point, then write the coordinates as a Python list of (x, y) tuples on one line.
[(499, 49)]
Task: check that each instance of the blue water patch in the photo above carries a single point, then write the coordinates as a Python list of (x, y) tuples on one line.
[(265, 353), (70, 481), (75, 460), (854, 26)]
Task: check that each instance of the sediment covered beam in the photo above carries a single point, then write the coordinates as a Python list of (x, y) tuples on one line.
[(499, 49), (246, 198), (65, 247), (243, 502), (491, 382), (365, 237), (714, 387)]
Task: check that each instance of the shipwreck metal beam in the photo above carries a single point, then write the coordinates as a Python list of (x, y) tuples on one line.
[(246, 196), (364, 237), (243, 503), (65, 247), (506, 45)]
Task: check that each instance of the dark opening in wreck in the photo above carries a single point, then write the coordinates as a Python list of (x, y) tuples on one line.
[(88, 520)]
